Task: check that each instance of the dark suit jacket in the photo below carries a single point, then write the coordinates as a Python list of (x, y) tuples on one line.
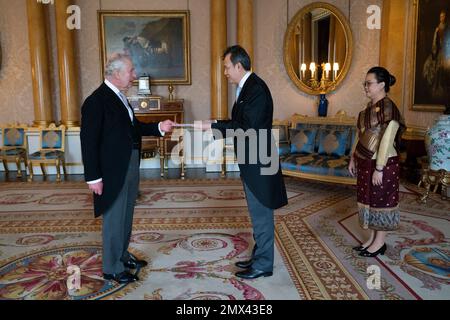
[(254, 110), (106, 143)]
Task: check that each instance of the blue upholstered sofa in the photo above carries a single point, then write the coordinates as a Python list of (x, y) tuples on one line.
[(317, 148)]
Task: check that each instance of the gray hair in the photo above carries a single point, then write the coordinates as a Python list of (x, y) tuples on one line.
[(115, 62)]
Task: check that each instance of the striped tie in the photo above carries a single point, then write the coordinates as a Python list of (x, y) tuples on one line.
[(127, 105)]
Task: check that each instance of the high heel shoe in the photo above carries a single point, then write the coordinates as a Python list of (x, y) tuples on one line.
[(366, 253), (359, 248)]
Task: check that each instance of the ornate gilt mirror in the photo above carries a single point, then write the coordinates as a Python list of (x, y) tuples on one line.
[(318, 47)]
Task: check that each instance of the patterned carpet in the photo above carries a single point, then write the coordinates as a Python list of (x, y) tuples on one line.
[(193, 231)]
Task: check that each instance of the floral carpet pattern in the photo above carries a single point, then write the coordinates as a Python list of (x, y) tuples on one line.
[(192, 232)]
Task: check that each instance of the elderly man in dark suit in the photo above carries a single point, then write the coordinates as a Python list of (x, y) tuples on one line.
[(110, 144), (251, 126)]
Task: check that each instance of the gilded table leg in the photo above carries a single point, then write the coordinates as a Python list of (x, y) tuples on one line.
[(161, 155), (19, 171), (43, 170), (224, 161), (58, 170), (64, 167), (182, 168), (444, 180), (5, 164), (425, 180), (30, 167)]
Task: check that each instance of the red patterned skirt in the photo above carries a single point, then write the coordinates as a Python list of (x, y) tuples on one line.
[(378, 205)]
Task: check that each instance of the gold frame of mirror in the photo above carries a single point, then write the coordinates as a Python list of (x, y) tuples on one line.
[(348, 43)]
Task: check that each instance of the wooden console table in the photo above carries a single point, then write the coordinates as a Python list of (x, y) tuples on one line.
[(169, 109), (413, 143)]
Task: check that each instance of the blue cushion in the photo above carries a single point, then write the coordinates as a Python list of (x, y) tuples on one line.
[(282, 132), (13, 137), (12, 152), (303, 140), (46, 155), (51, 139), (283, 148), (352, 137), (333, 142)]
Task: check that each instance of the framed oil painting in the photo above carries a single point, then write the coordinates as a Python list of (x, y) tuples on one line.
[(431, 55), (157, 41)]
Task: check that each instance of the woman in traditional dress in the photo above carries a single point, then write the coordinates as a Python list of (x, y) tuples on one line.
[(375, 162)]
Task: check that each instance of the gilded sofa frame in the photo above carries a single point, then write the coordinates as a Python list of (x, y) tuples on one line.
[(341, 118)]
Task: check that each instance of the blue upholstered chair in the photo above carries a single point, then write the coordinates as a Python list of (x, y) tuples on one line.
[(52, 141), (14, 147)]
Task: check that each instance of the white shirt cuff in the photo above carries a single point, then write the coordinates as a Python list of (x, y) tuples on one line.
[(159, 128), (94, 181)]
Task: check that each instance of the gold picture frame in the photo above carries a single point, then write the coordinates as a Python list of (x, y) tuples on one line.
[(427, 93), (157, 41)]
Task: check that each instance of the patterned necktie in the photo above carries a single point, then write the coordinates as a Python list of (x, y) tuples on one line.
[(123, 98), (127, 104)]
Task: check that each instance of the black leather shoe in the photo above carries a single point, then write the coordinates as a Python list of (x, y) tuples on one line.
[(244, 264), (253, 274), (123, 277), (359, 248), (135, 263), (366, 253)]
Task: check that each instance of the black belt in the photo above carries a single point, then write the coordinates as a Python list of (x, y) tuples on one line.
[(135, 145)]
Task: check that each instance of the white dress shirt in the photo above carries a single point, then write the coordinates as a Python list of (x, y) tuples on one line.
[(242, 82)]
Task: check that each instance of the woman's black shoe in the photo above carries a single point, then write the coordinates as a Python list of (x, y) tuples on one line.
[(359, 248), (366, 253)]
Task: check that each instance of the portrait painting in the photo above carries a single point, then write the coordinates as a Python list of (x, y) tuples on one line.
[(431, 87), (157, 42)]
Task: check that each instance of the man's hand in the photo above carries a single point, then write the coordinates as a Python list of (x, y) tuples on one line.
[(96, 188), (167, 125), (352, 167)]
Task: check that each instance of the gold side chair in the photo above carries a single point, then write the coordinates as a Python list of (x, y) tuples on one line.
[(14, 147), (52, 142)]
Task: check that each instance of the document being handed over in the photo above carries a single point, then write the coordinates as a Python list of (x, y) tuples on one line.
[(183, 125), (197, 125)]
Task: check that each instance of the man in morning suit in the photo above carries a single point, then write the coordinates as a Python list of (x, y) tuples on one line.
[(253, 114), (110, 145)]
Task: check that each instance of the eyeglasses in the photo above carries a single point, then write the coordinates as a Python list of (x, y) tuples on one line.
[(368, 83)]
